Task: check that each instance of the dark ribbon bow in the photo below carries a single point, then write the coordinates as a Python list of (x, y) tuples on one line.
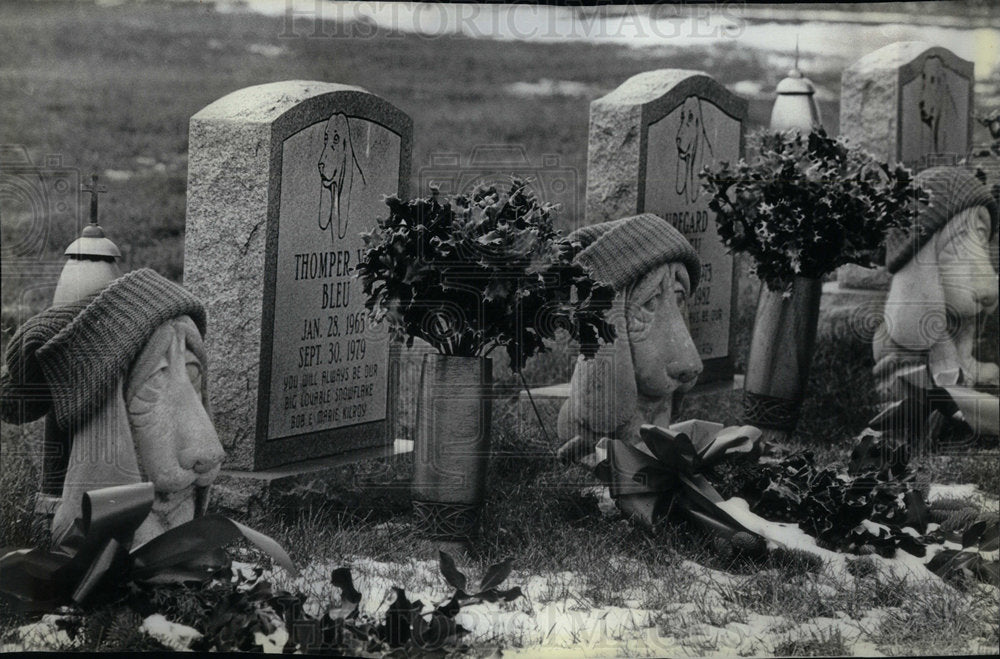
[(97, 550), (663, 473)]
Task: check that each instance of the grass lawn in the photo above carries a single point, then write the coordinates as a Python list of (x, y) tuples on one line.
[(111, 89)]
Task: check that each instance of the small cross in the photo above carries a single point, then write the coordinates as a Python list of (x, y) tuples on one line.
[(94, 189)]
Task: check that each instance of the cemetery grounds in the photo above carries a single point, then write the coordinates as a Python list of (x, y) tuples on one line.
[(111, 89)]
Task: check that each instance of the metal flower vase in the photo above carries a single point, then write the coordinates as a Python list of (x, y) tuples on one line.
[(781, 349), (452, 446)]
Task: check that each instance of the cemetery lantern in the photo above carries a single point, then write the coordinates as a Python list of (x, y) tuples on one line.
[(93, 258), (92, 263), (784, 332), (795, 107)]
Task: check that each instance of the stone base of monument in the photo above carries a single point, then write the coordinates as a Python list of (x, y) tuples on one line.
[(347, 480), (342, 480), (549, 399), (847, 313)]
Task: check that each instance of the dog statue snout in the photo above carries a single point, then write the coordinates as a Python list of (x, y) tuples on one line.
[(202, 458), (684, 373)]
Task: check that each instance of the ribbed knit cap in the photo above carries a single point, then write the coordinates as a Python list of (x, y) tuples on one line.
[(621, 251), (952, 190), (68, 358)]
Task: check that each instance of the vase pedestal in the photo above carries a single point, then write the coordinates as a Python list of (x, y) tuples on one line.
[(451, 448), (781, 349)]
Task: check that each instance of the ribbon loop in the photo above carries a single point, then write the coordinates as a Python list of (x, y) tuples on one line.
[(663, 472), (97, 551)]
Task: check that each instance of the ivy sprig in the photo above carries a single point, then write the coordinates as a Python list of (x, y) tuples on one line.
[(480, 272), (806, 205)]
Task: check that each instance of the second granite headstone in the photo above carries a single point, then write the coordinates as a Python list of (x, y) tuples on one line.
[(649, 138), (910, 103)]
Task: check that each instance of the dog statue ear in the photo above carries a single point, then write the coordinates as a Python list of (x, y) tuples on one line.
[(345, 183), (914, 313), (102, 455), (602, 392), (681, 177), (704, 146), (202, 494)]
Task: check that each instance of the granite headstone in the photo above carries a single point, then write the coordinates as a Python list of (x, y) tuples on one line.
[(282, 180), (649, 138), (911, 103)]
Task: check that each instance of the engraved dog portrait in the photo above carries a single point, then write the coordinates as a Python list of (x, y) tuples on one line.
[(694, 150), (337, 167), (936, 103)]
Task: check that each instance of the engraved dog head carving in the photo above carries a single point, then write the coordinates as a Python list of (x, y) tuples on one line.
[(155, 426), (641, 377), (936, 105), (337, 163), (694, 149)]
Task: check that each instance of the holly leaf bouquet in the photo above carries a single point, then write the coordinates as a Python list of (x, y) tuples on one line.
[(479, 272), (807, 204)]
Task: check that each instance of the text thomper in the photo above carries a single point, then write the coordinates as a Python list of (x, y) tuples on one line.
[(322, 265)]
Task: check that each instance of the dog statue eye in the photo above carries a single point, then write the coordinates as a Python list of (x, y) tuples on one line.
[(680, 296), (983, 230), (194, 374), (336, 138)]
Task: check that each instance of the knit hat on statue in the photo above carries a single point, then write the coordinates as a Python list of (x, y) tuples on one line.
[(952, 190), (621, 251), (68, 358)]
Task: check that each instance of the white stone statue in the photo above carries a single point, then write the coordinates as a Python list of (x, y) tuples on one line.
[(124, 372), (642, 376), (942, 283)]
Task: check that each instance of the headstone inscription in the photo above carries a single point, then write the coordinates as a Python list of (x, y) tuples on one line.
[(282, 180), (649, 138), (910, 103)]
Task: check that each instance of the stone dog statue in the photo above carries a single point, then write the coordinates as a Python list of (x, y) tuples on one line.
[(641, 377), (942, 282), (124, 372)]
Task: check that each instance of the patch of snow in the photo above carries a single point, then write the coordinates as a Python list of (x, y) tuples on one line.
[(938, 491), (790, 536), (967, 492), (117, 175), (558, 618), (750, 89), (273, 643), (266, 50), (175, 636), (44, 635), (547, 87)]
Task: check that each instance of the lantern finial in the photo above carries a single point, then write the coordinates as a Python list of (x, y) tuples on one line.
[(93, 258), (795, 108)]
